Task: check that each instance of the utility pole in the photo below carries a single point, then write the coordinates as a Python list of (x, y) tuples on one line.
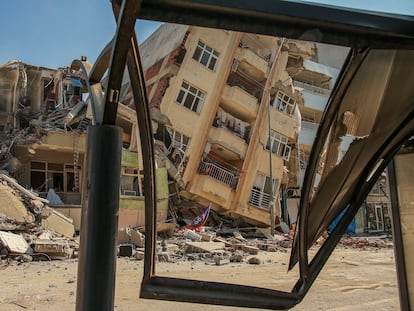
[(266, 97)]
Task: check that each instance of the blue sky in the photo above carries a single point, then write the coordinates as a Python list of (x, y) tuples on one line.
[(51, 33)]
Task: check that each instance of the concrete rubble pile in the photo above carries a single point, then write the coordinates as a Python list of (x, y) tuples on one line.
[(29, 228), (367, 242), (207, 245), (223, 245)]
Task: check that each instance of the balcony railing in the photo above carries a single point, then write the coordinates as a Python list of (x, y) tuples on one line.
[(215, 170), (259, 199)]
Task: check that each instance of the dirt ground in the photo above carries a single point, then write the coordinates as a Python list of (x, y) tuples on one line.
[(353, 279)]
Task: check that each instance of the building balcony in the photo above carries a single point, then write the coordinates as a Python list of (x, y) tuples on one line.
[(63, 141), (312, 88), (259, 199), (283, 123), (252, 63), (227, 144), (235, 99), (224, 175)]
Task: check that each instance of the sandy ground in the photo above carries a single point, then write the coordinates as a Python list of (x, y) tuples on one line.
[(353, 279)]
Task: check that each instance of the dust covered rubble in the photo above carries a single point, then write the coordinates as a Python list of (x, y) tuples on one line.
[(368, 242), (215, 246), (208, 246), (29, 228)]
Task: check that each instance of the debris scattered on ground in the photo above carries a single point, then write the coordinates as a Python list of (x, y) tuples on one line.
[(366, 242), (213, 245), (224, 245)]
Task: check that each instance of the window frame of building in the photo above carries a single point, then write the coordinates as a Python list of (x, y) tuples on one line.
[(278, 144), (308, 117), (50, 170), (178, 148), (178, 139), (131, 182), (70, 172), (284, 103), (206, 56), (377, 217), (191, 97), (261, 192)]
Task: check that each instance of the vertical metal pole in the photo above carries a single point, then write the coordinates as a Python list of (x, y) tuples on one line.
[(398, 238), (268, 86), (97, 254), (272, 193)]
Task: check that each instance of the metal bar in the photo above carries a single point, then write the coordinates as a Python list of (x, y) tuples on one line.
[(121, 43), (217, 293), (102, 63), (216, 171), (148, 154), (321, 257), (94, 89), (398, 242), (295, 20), (97, 255)]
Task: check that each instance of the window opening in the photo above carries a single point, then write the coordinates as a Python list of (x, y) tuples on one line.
[(191, 97), (284, 103), (278, 144), (206, 56)]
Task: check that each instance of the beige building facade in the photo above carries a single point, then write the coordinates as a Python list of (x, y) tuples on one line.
[(225, 112)]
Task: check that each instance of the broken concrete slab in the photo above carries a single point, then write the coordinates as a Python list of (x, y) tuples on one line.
[(124, 236), (206, 236), (170, 247), (13, 207), (222, 240), (14, 243), (55, 249), (28, 193), (139, 255), (59, 223), (205, 247), (250, 249), (162, 228), (220, 261), (238, 236), (190, 234)]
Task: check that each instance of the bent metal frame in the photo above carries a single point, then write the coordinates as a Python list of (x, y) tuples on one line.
[(359, 30)]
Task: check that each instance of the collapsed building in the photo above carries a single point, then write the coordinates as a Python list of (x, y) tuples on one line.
[(228, 109), (44, 118), (234, 118)]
